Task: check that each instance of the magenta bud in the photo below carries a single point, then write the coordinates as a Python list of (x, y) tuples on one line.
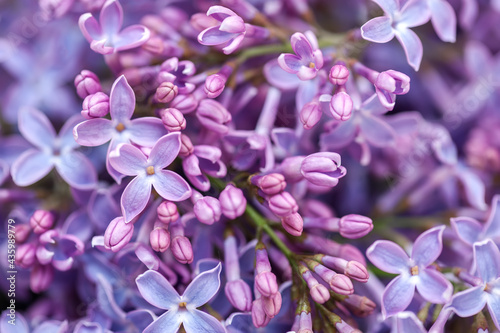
[(214, 85), (272, 183), (239, 294), (185, 103), (87, 83), (394, 82), (272, 305), (41, 277), (166, 92), (22, 233), (266, 283), (187, 147), (341, 284), (213, 116), (41, 221), (283, 204), (207, 210), (354, 226), (357, 271), (159, 238), (232, 202), (310, 114), (118, 234), (339, 74), (259, 316), (293, 224), (154, 45), (341, 106), (167, 212), (182, 250), (320, 294), (322, 169), (26, 255), (95, 105), (173, 120)]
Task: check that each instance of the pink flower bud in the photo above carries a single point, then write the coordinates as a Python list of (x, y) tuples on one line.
[(159, 238), (272, 183), (293, 224), (173, 120), (320, 294), (41, 221), (118, 234), (87, 83), (341, 284), (41, 277), (266, 284), (283, 204), (22, 233), (393, 81), (214, 85), (154, 45), (26, 255), (167, 212), (322, 169), (310, 114), (207, 210), (361, 306), (239, 294), (355, 226), (182, 250), (341, 106), (259, 316), (186, 146), (95, 105), (232, 201), (213, 116), (166, 92), (339, 74), (185, 103), (272, 305), (356, 271)]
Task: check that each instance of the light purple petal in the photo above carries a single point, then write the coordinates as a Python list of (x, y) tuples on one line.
[(477, 58), (191, 165), (233, 24), (233, 44), (128, 160), (76, 170), (165, 150), (168, 322), (94, 132), (106, 300), (279, 78), (469, 302), (468, 229), (376, 131), (36, 128), (307, 73), (111, 17), (220, 13), (66, 137), (486, 260), (302, 47), (428, 246), (492, 226), (388, 6), (378, 30), (213, 36), (397, 295), (473, 187), (434, 287), (140, 318), (156, 290), (388, 256), (211, 153), (408, 322), (171, 186), (135, 197), (340, 136), (411, 45), (121, 100), (30, 167), (493, 303), (131, 37), (306, 92), (444, 20), (202, 288), (90, 28), (146, 131), (414, 13), (199, 321), (290, 62)]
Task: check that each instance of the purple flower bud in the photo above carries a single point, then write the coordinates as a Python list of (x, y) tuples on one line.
[(293, 224), (272, 183), (320, 294), (213, 116), (159, 238), (283, 204), (357, 271), (354, 226), (310, 114), (232, 201), (272, 305), (323, 169), (184, 103), (167, 212), (214, 85), (393, 81), (339, 74), (166, 92), (41, 277), (290, 168), (118, 234), (95, 105), (341, 105), (207, 210), (266, 284), (259, 316), (341, 284), (41, 221), (26, 255), (173, 120), (23, 231), (87, 83), (182, 250), (187, 147), (239, 294)]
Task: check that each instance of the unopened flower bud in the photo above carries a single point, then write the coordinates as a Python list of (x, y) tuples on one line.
[(320, 294), (118, 234), (283, 204), (310, 114), (272, 305), (167, 212), (182, 250), (393, 81), (22, 233), (185, 103), (341, 106), (293, 224), (87, 83), (166, 92), (266, 283), (323, 169), (213, 115), (41, 221), (41, 277), (26, 255), (207, 210), (339, 74), (173, 120), (159, 238), (341, 284), (232, 201), (357, 271), (239, 294), (187, 147), (272, 183), (259, 316), (361, 306), (95, 105), (355, 226), (214, 85)]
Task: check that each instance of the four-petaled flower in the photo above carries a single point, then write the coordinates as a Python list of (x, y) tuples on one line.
[(307, 60), (181, 309), (414, 271), (130, 161), (58, 249)]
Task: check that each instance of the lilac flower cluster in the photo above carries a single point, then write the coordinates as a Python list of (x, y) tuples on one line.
[(237, 166)]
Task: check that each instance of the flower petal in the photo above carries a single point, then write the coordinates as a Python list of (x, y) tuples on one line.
[(302, 47), (486, 260), (444, 20), (131, 37), (428, 246), (279, 78), (202, 288), (408, 322), (199, 321), (66, 137), (93, 132), (388, 256), (168, 322), (477, 58), (76, 170), (492, 226), (90, 28), (414, 13), (121, 100), (30, 167), (469, 302), (135, 197), (467, 229), (156, 290), (36, 128), (376, 131), (213, 36), (378, 30), (388, 6), (397, 295), (111, 17), (493, 302), (171, 186), (411, 45), (128, 160), (434, 287), (339, 136), (473, 186), (290, 62), (165, 150)]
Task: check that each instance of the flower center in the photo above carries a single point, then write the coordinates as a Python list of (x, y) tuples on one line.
[(120, 127), (150, 170), (312, 65), (182, 304), (414, 270)]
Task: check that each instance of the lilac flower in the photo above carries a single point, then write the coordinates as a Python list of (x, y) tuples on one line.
[(177, 72), (307, 60), (396, 22), (58, 249), (105, 36), (204, 160), (130, 161), (181, 309), (443, 19), (51, 151), (414, 271), (120, 129)]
